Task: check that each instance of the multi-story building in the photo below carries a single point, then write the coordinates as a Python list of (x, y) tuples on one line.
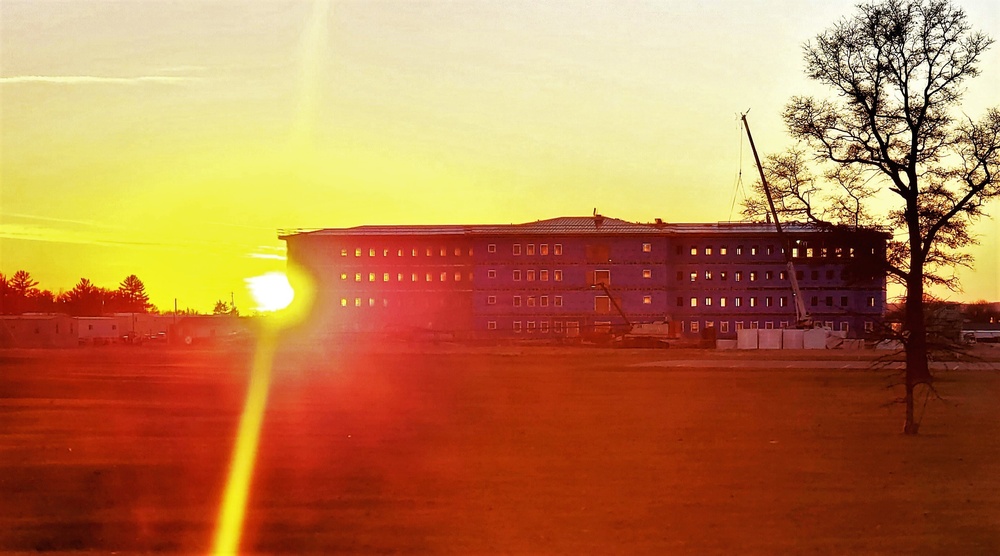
[(575, 275)]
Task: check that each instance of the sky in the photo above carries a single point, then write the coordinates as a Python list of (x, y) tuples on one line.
[(172, 140)]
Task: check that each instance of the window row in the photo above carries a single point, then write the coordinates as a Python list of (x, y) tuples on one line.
[(400, 252), (695, 326), (768, 301), (798, 251), (406, 277), (754, 275), (572, 328), (529, 248), (529, 300)]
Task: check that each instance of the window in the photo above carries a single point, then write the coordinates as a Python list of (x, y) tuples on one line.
[(782, 275), (708, 250), (799, 274), (371, 276), (828, 325), (517, 248), (413, 252), (723, 275), (753, 301), (429, 252), (530, 249), (543, 301), (814, 275), (357, 301), (491, 273), (517, 326), (737, 302), (754, 325), (708, 274), (602, 277), (531, 326), (517, 301), (647, 273), (371, 301), (343, 302), (543, 275), (722, 302), (680, 301), (543, 326), (343, 251), (371, 251), (694, 250), (829, 275), (723, 251), (769, 325), (782, 301), (708, 302), (647, 300), (444, 251), (399, 277), (753, 251), (557, 301), (602, 304), (739, 325), (557, 326), (491, 300), (768, 301), (843, 301), (869, 326), (724, 327), (680, 249), (694, 276), (531, 275), (357, 276), (517, 275), (770, 250), (543, 249), (531, 301), (738, 275), (768, 275), (871, 301), (843, 325), (343, 276), (694, 301), (813, 301), (491, 248), (680, 275), (399, 252), (647, 247), (753, 275), (557, 249), (557, 275), (694, 326), (428, 277), (357, 251), (739, 249), (413, 277), (458, 276), (829, 301), (491, 325)]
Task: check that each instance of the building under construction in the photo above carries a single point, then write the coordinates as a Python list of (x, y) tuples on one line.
[(569, 277)]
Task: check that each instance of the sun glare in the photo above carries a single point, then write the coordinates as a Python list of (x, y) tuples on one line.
[(271, 291)]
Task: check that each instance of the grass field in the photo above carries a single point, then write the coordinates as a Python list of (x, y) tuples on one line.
[(505, 451)]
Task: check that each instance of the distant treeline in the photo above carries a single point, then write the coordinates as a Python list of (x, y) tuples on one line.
[(19, 294)]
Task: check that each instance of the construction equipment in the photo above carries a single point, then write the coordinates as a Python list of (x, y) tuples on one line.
[(802, 317), (647, 334)]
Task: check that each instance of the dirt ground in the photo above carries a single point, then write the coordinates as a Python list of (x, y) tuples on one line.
[(503, 451)]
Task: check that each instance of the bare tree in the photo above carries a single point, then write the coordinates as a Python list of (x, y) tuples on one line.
[(897, 70)]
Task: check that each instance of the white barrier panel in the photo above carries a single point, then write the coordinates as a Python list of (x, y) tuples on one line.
[(746, 338), (791, 338), (814, 338), (725, 344), (769, 338)]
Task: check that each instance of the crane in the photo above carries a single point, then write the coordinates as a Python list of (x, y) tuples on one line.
[(802, 317)]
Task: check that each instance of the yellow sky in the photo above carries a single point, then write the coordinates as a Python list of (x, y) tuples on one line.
[(172, 139)]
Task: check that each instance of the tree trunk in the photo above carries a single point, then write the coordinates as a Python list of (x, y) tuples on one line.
[(915, 342)]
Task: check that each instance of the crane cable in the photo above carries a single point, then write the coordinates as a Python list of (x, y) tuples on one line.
[(738, 185)]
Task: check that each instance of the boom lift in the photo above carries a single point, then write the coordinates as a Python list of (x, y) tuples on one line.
[(651, 334), (802, 317)]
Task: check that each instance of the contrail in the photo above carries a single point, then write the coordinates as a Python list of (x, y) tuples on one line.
[(313, 47), (94, 79)]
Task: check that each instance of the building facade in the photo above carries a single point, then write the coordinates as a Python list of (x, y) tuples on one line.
[(573, 276)]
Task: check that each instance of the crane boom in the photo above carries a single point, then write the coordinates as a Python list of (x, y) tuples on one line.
[(802, 317)]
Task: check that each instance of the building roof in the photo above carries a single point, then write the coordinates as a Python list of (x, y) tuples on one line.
[(563, 225)]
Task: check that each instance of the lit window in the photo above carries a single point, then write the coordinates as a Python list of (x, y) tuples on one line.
[(517, 275), (782, 301), (770, 249), (413, 252), (343, 251), (557, 301), (723, 275), (737, 302), (543, 249), (647, 300), (708, 274), (722, 302), (491, 300), (871, 301), (531, 301), (694, 250), (458, 251), (543, 301), (708, 302), (531, 275), (694, 276), (385, 276), (543, 275), (357, 276), (343, 302), (738, 276), (458, 276), (444, 276), (694, 301), (357, 251), (517, 248), (753, 301), (753, 251), (444, 252), (491, 273), (753, 275), (708, 250), (768, 275), (782, 275), (399, 277), (357, 301), (694, 326), (517, 301), (413, 277), (429, 277), (343, 276), (491, 248), (557, 249), (557, 275), (739, 249), (647, 273), (429, 252), (385, 252), (530, 249), (371, 301), (491, 325), (517, 326), (399, 252), (647, 247), (768, 301), (371, 276), (722, 251)]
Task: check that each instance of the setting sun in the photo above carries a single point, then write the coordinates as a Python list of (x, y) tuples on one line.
[(271, 291)]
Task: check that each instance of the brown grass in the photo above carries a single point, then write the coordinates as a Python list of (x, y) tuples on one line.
[(510, 451)]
